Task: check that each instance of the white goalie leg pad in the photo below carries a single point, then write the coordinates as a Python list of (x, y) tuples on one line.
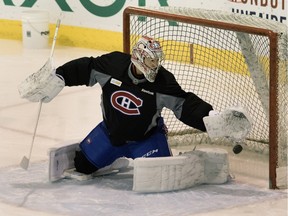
[(208, 166), (61, 159), (233, 122), (73, 174), (114, 168), (167, 173), (61, 164), (118, 165)]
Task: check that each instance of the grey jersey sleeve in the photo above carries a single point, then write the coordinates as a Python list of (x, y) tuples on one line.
[(170, 102), (189, 110)]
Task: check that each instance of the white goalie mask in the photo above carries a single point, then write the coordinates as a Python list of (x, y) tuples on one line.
[(147, 56)]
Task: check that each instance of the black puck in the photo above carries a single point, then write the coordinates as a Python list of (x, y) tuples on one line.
[(237, 149)]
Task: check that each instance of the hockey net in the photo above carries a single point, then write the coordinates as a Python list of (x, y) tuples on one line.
[(226, 59)]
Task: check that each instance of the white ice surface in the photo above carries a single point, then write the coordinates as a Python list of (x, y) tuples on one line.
[(71, 116)]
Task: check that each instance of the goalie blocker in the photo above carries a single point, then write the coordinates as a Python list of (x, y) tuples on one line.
[(43, 85), (159, 174)]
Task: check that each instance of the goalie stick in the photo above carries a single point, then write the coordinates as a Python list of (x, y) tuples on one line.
[(26, 160)]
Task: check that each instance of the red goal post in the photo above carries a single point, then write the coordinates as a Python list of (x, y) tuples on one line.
[(226, 59)]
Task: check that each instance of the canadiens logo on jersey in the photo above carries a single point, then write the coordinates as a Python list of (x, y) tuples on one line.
[(126, 102)]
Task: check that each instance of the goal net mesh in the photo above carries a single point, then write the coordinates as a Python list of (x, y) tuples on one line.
[(227, 60)]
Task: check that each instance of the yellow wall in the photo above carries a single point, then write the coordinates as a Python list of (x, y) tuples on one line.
[(112, 41), (69, 36)]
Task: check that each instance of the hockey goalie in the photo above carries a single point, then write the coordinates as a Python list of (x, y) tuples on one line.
[(135, 89)]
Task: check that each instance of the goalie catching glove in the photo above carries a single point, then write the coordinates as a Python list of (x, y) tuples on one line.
[(43, 85), (233, 123)]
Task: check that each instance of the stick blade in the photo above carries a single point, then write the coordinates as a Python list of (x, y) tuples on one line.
[(24, 163)]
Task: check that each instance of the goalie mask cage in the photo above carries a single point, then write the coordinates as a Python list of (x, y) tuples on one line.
[(226, 59)]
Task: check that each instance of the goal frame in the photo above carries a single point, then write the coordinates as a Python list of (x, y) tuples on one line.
[(273, 84)]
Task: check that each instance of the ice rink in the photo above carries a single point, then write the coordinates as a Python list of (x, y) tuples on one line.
[(71, 116)]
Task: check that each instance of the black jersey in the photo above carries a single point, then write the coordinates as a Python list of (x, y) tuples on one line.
[(130, 106)]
